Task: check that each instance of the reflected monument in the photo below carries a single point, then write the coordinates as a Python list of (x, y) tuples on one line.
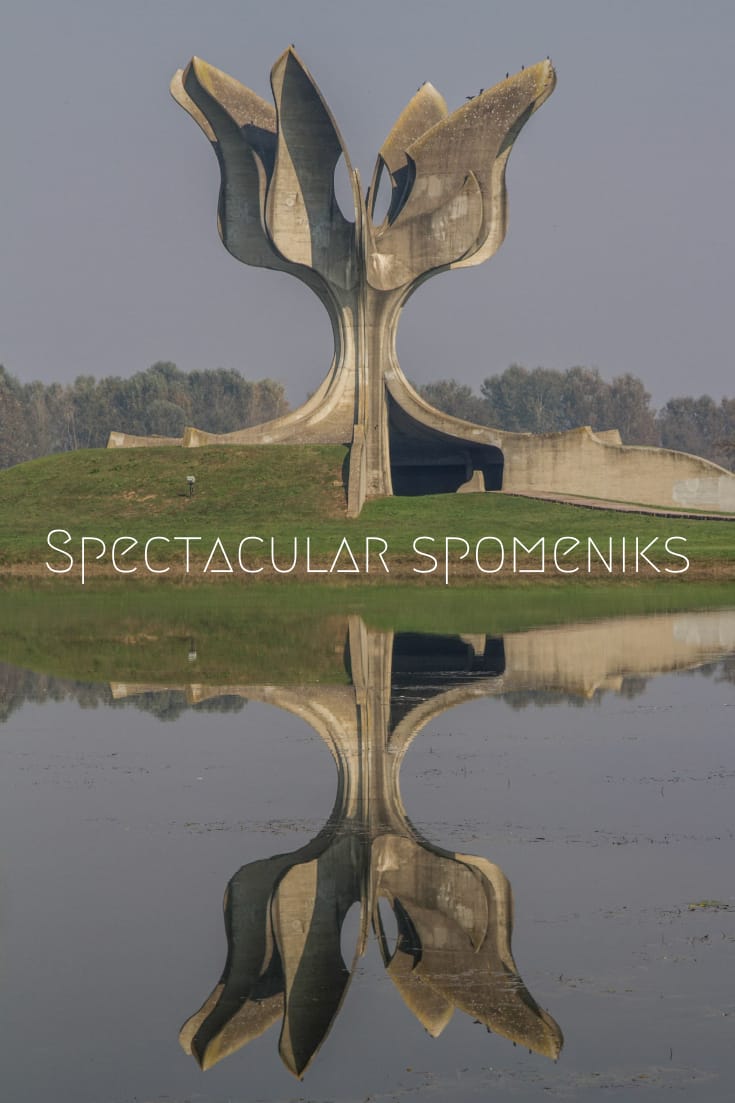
[(452, 913), (448, 209), (443, 920), (448, 944)]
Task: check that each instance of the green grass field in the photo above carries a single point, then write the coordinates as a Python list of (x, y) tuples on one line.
[(287, 633), (288, 492), (128, 626)]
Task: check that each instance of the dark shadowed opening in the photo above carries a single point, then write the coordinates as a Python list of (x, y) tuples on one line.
[(427, 461), (426, 666)]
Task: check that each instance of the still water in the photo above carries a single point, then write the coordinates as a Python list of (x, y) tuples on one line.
[(517, 882)]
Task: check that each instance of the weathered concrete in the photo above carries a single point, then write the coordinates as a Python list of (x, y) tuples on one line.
[(128, 440), (625, 507), (572, 658), (448, 209), (454, 912), (284, 915), (277, 209)]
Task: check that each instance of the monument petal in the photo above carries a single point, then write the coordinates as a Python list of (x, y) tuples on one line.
[(473, 142), (422, 241), (422, 111), (448, 209), (302, 214), (241, 127), (249, 995), (284, 917)]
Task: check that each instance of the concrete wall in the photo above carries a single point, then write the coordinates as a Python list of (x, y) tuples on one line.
[(127, 440), (581, 463)]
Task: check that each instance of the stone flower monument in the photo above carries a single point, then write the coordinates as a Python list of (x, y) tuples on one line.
[(448, 209)]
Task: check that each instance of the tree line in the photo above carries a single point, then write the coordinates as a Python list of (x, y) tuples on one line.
[(543, 400), (18, 687), (37, 419)]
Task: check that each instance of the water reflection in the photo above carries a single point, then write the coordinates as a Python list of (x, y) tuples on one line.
[(443, 920), (452, 914)]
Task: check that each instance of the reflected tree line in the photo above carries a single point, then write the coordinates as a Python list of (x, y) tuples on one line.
[(37, 419), (519, 699), (19, 687), (545, 401), (443, 920)]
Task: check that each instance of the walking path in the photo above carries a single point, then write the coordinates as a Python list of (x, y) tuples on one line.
[(620, 507)]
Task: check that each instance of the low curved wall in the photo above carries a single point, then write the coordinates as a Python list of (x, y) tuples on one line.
[(579, 462), (128, 440), (584, 464)]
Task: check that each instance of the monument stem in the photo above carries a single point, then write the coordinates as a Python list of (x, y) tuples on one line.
[(378, 322)]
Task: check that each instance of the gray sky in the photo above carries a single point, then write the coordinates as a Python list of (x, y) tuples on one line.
[(620, 251)]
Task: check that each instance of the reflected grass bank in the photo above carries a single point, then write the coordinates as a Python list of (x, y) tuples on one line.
[(286, 633), (609, 812)]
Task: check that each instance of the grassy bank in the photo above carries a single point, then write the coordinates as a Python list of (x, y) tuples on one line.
[(294, 492), (287, 633)]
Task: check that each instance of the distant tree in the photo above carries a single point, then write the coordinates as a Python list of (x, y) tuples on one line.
[(503, 396), (689, 424), (630, 411), (523, 401), (269, 401), (16, 443), (89, 408), (222, 400), (165, 418), (457, 399), (526, 401), (725, 452), (725, 443), (36, 418), (585, 399), (542, 408), (700, 426)]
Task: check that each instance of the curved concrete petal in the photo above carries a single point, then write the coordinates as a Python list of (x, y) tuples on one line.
[(432, 883), (460, 921), (183, 99), (308, 910), (414, 244), (251, 1020), (245, 107), (426, 108), (249, 954), (302, 213), (241, 127), (521, 1018), (430, 1007), (478, 137)]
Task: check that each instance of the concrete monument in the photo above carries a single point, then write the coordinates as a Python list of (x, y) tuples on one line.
[(448, 209), (452, 912), (447, 946)]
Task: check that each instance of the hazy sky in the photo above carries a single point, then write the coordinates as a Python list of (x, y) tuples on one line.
[(621, 244)]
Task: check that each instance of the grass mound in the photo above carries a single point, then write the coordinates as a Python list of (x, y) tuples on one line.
[(290, 492)]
